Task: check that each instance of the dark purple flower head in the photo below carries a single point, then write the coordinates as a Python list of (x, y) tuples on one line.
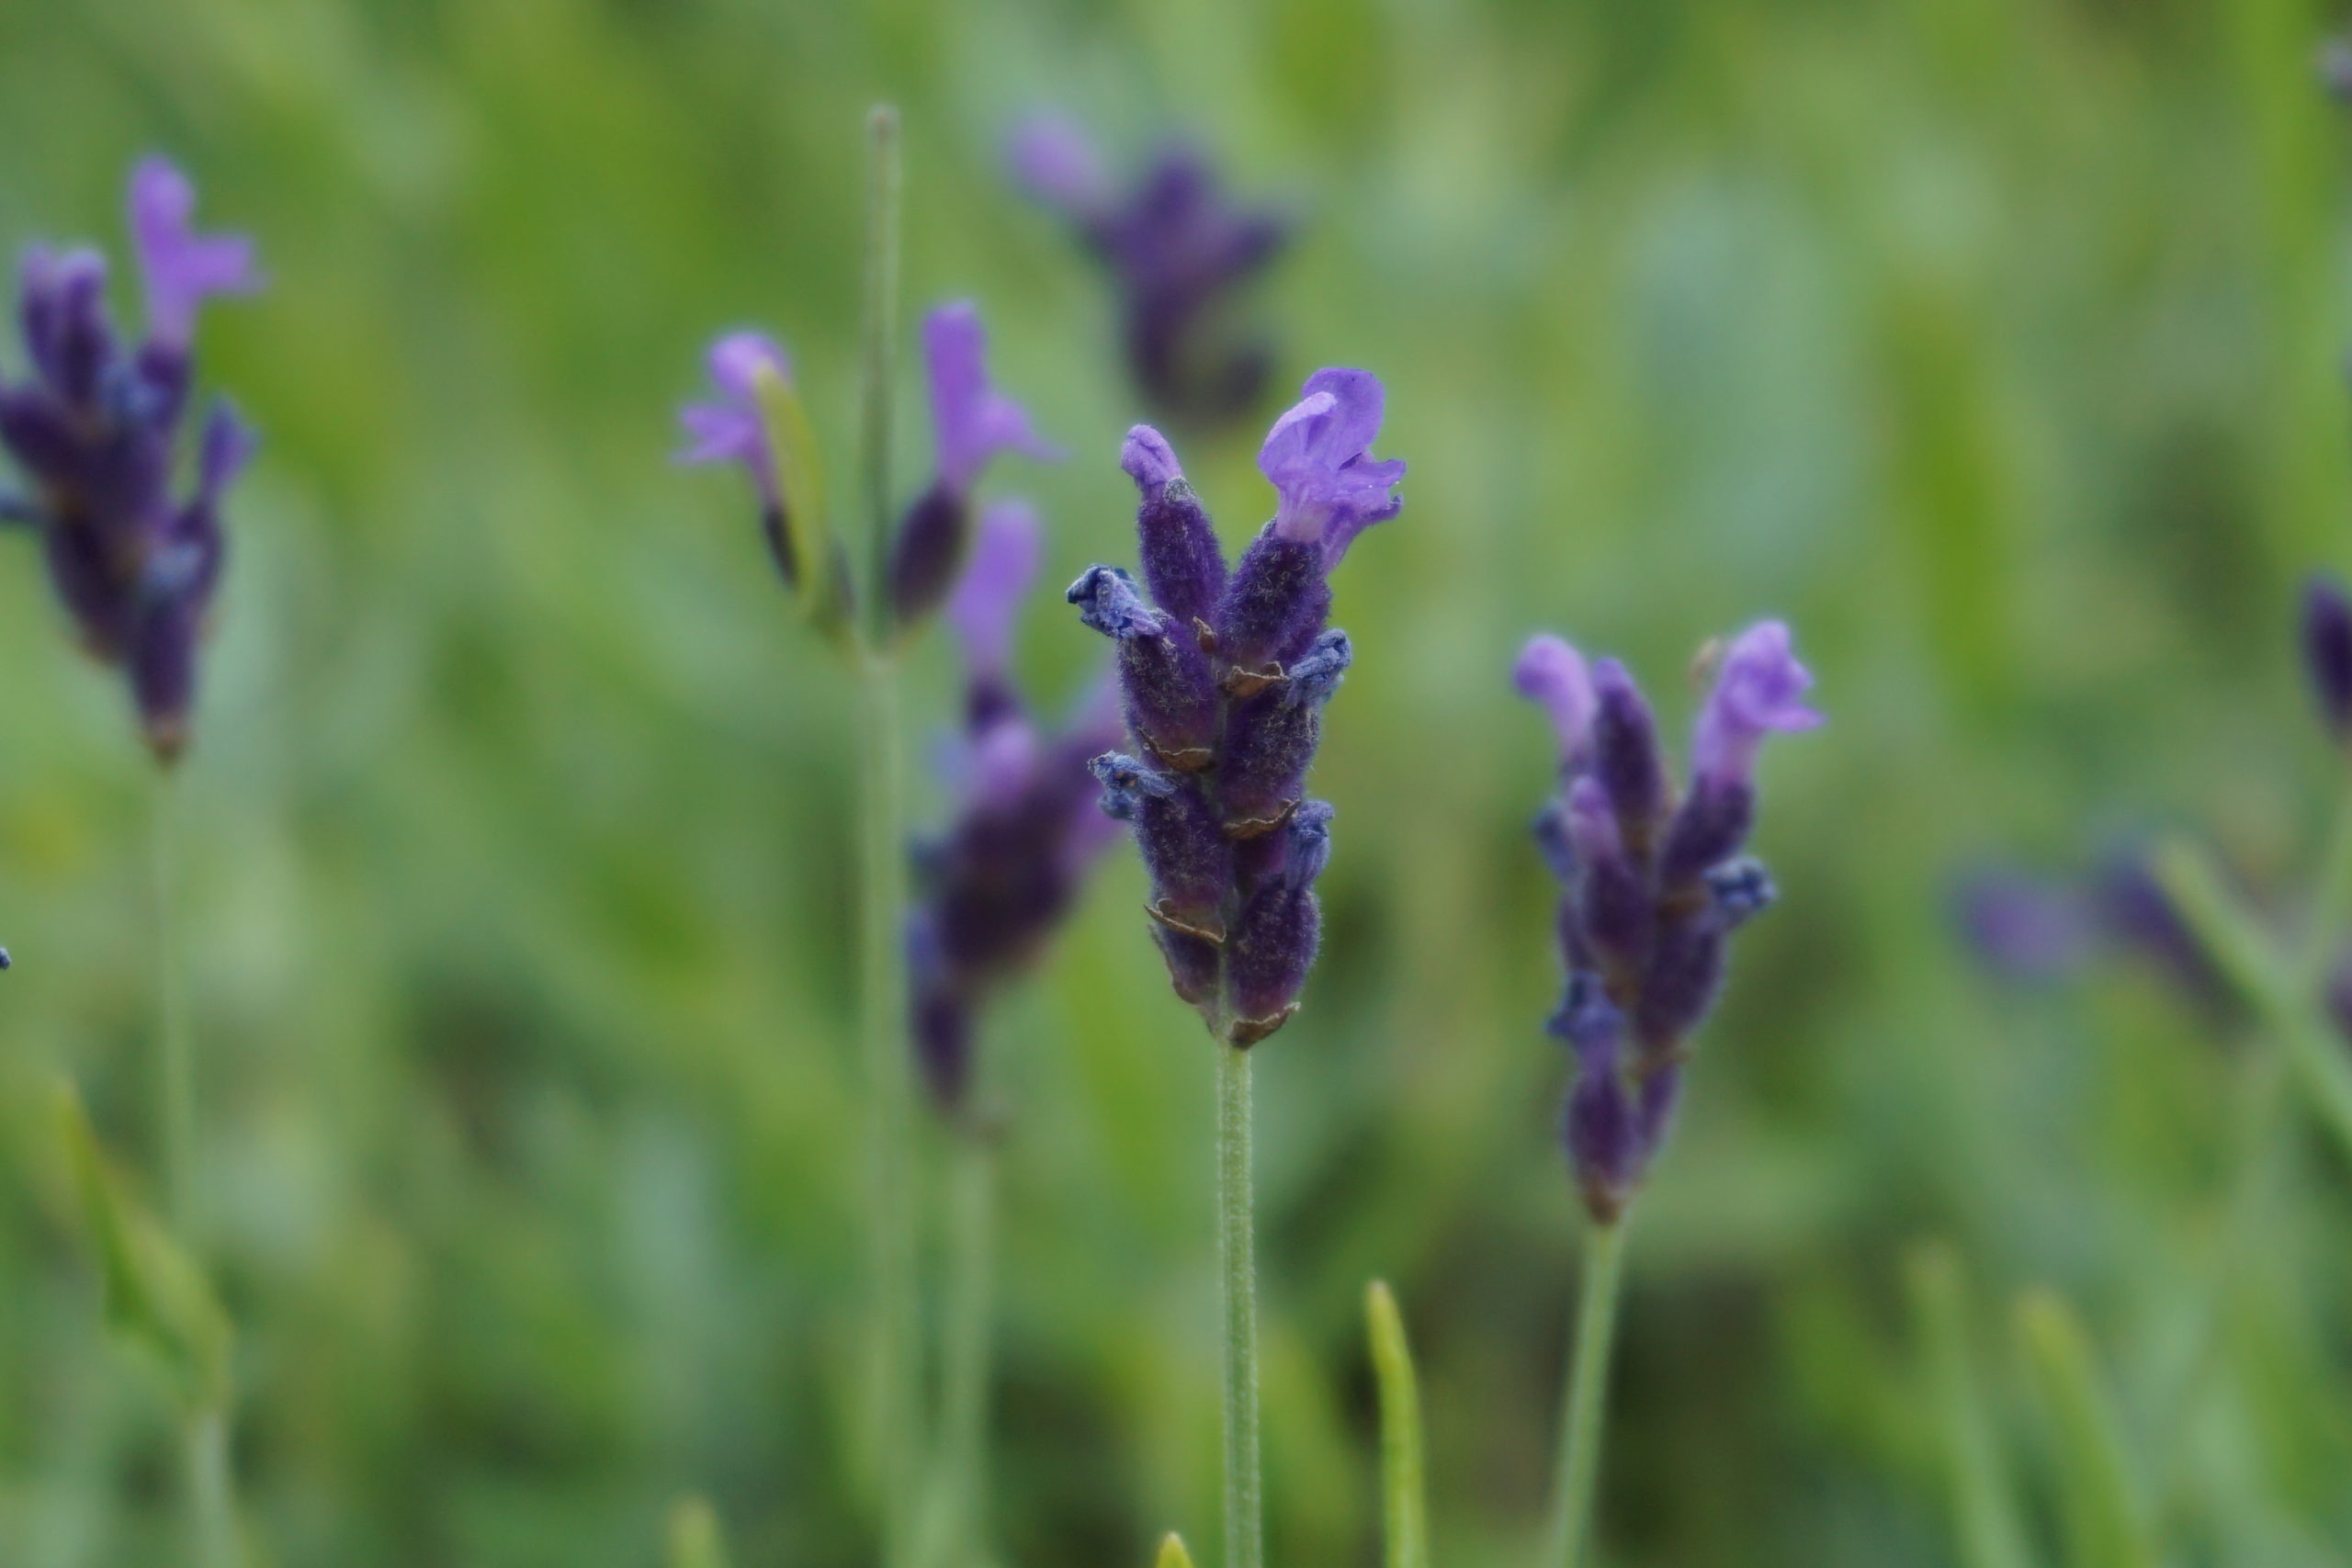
[(1318, 458), (1223, 678), (1000, 880), (1179, 252), (96, 431), (971, 423), (1654, 885), (2327, 651)]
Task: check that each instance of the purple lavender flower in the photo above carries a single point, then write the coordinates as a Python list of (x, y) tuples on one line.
[(2327, 651), (998, 882), (1179, 253), (732, 429), (1224, 677), (1654, 885), (2021, 928), (971, 421), (96, 430)]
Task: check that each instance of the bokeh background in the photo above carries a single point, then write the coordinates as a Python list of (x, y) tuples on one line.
[(1994, 342)]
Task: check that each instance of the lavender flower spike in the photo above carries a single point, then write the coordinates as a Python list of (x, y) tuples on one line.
[(1653, 887), (96, 431), (1178, 252), (971, 423), (1224, 680), (1000, 881), (731, 428)]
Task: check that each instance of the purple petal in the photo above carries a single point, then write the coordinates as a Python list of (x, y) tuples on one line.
[(987, 597), (1760, 690), (1148, 459), (1551, 672), (1318, 458), (731, 428), (229, 445), (1053, 161), (181, 266), (971, 420)]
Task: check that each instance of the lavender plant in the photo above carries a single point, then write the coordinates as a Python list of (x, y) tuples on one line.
[(1179, 252), (133, 545), (1224, 675), (1655, 884), (913, 554)]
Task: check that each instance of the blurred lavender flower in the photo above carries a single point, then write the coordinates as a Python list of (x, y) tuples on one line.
[(96, 431), (995, 885), (2326, 635), (732, 429), (1654, 886), (971, 421), (1179, 252), (1225, 675), (2022, 928)]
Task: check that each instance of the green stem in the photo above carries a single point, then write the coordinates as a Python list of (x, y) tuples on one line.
[(1236, 1255), (212, 1509), (175, 1057), (890, 1227), (966, 1348), (1581, 1414), (884, 178)]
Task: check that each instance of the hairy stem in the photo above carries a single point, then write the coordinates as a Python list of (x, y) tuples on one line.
[(174, 1055), (1236, 1243), (212, 1509), (1581, 1410), (966, 1347), (885, 177)]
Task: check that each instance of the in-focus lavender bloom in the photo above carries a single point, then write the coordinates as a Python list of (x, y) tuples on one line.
[(96, 430), (1225, 675), (1179, 254), (2327, 651), (1654, 884), (995, 885), (731, 428)]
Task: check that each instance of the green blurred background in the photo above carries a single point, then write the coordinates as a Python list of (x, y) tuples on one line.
[(1994, 342)]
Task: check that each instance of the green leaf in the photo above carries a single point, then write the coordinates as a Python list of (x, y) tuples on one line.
[(819, 565), (2105, 1526), (1172, 1553), (1985, 1514), (696, 1538), (156, 1297), (1403, 1491)]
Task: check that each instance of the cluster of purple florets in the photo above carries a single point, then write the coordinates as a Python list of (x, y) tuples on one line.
[(97, 431), (1654, 883)]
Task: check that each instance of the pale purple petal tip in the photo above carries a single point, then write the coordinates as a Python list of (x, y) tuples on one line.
[(729, 428), (1760, 690), (1551, 673), (971, 420), (1318, 458), (987, 599), (1148, 459), (1054, 161), (181, 267)]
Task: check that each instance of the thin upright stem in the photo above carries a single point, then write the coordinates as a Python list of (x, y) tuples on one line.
[(174, 1055), (884, 178), (1237, 1256), (898, 1372), (212, 1509), (967, 1346), (1581, 1411)]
